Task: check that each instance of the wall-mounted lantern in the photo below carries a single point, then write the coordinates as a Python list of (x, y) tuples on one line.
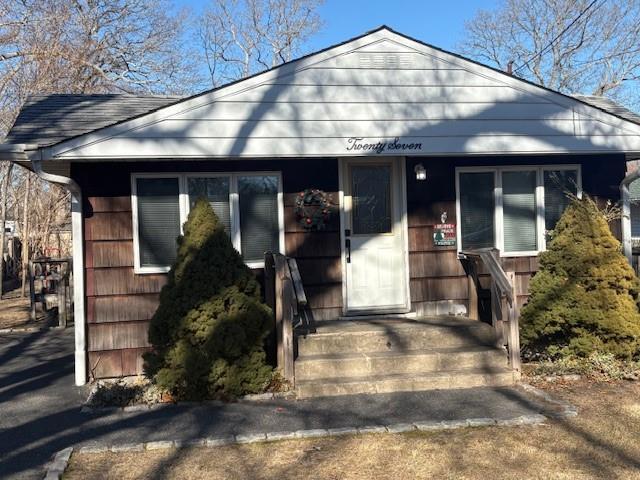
[(421, 172)]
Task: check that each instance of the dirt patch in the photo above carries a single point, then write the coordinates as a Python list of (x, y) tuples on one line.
[(14, 312), (600, 443)]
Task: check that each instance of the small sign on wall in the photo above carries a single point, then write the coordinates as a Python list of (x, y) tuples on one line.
[(444, 235)]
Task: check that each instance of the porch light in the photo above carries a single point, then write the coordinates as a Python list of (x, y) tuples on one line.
[(421, 172)]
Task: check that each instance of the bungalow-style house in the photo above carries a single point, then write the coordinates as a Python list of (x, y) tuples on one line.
[(406, 181)]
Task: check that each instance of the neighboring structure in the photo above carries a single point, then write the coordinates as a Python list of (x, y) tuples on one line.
[(422, 152)]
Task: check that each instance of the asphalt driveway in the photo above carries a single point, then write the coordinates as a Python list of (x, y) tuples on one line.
[(40, 409)]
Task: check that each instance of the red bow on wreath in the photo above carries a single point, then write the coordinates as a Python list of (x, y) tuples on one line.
[(313, 208)]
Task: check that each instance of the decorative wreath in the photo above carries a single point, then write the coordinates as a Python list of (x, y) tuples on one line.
[(313, 208)]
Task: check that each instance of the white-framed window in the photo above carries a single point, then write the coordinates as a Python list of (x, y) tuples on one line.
[(512, 208), (249, 205)]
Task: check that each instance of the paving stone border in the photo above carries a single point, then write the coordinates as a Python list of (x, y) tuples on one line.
[(560, 408), (57, 467)]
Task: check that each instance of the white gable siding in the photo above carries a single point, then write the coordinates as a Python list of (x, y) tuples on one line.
[(367, 95)]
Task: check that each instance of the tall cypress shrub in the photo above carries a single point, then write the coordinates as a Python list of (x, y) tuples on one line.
[(208, 332), (585, 296)]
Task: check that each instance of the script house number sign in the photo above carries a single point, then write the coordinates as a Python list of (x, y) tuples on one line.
[(362, 145)]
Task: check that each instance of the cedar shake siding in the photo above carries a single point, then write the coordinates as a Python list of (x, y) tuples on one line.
[(120, 303)]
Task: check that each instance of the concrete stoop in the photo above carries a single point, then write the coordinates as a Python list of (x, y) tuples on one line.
[(384, 355)]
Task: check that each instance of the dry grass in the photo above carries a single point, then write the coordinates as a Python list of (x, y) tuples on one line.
[(14, 311), (602, 442)]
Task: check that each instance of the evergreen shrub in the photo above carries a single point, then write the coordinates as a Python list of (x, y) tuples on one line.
[(209, 329), (584, 298)]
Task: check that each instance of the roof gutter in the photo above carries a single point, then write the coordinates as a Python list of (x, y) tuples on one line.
[(16, 152), (625, 194)]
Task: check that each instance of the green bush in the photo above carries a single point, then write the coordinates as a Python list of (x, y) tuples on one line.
[(209, 329), (585, 296)]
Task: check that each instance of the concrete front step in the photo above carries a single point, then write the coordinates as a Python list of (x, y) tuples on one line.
[(464, 378), (332, 366), (340, 337)]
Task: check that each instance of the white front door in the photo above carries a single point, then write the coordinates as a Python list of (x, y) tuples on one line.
[(374, 236)]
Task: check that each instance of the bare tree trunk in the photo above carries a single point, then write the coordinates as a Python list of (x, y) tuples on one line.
[(5, 193), (25, 229)]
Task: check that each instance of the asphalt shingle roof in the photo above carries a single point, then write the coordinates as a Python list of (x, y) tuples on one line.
[(610, 106), (49, 119)]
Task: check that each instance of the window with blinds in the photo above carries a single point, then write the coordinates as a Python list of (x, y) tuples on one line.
[(521, 193), (519, 216), (259, 226), (247, 204), (477, 209), (158, 213)]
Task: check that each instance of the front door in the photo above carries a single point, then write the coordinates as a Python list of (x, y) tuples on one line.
[(374, 232)]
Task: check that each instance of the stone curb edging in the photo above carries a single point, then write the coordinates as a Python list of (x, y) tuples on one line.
[(564, 409), (260, 397), (61, 459), (59, 464)]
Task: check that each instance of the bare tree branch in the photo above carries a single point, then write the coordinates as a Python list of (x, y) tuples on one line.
[(599, 54), (241, 37)]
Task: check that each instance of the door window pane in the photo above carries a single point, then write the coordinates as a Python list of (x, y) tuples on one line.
[(158, 220), (557, 183), (216, 191), (371, 198), (477, 210), (259, 227), (519, 211)]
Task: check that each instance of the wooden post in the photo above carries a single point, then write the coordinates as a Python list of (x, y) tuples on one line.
[(497, 314), (32, 291), (279, 310), (269, 281), (473, 289), (287, 332), (62, 303), (514, 327)]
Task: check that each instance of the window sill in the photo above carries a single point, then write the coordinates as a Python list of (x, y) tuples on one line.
[(533, 253), (150, 270)]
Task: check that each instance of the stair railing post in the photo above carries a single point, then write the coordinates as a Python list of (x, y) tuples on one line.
[(287, 331), (279, 307), (472, 278), (514, 327)]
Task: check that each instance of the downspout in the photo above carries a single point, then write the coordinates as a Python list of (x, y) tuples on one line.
[(625, 194), (78, 267)]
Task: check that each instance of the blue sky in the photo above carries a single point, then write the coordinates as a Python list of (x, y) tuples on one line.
[(439, 22)]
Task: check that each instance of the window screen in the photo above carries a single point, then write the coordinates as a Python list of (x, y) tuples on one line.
[(477, 210), (557, 183), (216, 191), (158, 220), (259, 228), (519, 211)]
